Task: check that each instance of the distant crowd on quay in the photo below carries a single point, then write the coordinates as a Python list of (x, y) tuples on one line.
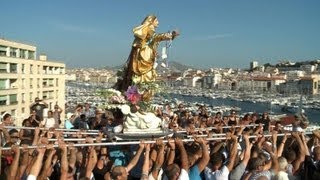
[(222, 147)]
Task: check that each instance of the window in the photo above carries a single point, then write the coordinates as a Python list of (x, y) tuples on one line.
[(56, 70), (51, 82), (50, 95), (3, 100), (23, 97), (3, 51), (22, 53), (31, 69), (3, 67), (23, 68), (61, 70), (57, 94), (3, 84), (38, 94), (31, 82), (50, 70), (23, 110), (38, 69), (45, 82), (13, 83), (30, 97), (13, 68), (44, 70), (45, 95), (31, 55), (38, 83), (57, 82), (13, 52), (13, 99)]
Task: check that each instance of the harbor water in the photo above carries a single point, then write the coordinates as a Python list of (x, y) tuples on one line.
[(246, 106)]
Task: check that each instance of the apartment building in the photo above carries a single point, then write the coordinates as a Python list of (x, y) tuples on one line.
[(23, 77)]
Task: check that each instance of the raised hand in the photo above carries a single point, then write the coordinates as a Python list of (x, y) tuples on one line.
[(63, 146), (142, 144), (159, 143), (147, 147), (41, 149), (179, 142), (15, 149), (171, 144), (200, 141), (37, 131), (295, 135)]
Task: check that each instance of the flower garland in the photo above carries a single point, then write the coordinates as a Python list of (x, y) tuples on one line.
[(137, 97)]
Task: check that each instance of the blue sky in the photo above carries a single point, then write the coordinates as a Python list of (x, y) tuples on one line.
[(214, 33)]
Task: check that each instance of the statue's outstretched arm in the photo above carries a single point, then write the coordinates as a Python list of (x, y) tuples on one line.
[(163, 37)]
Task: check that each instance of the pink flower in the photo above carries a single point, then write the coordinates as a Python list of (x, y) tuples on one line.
[(133, 95)]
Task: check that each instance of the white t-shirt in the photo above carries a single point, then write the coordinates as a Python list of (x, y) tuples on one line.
[(49, 122), (216, 175), (183, 175)]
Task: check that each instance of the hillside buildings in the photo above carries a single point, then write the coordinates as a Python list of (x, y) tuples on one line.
[(286, 78), (91, 75), (23, 77)]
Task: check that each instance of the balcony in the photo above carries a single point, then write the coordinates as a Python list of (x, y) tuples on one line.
[(13, 102), (3, 53), (3, 71)]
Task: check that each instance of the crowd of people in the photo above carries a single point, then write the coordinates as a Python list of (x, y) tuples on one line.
[(237, 156)]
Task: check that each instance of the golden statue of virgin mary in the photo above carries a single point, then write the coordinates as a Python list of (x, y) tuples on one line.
[(140, 64)]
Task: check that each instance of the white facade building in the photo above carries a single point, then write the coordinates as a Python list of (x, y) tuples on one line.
[(23, 77)]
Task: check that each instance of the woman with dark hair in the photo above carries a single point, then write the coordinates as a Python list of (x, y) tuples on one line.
[(246, 120), (233, 119), (265, 120), (26, 135)]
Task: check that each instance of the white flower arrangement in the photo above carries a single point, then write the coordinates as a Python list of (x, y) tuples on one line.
[(112, 96)]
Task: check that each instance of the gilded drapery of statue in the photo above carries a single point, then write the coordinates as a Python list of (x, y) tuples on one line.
[(140, 63)]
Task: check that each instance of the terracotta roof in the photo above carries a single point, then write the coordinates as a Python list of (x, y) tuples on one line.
[(264, 78)]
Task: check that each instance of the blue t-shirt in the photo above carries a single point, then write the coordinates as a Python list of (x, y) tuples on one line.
[(194, 173)]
